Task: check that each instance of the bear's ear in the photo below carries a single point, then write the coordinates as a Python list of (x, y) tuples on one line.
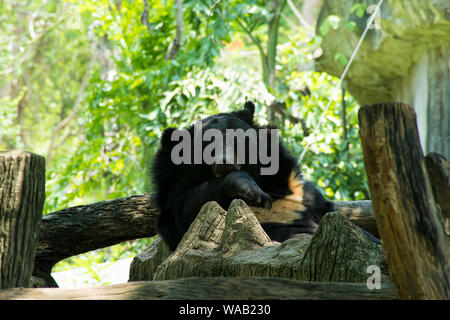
[(166, 137), (250, 106), (247, 113)]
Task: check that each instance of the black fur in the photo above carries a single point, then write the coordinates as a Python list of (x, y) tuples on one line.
[(181, 190)]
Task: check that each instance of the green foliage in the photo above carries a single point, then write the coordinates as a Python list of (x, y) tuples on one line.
[(9, 130), (331, 21), (359, 9), (341, 58)]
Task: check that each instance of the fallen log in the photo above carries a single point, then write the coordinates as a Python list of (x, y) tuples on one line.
[(212, 288), (406, 212), (80, 229)]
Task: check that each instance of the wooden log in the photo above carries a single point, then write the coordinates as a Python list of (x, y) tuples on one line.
[(408, 219), (22, 194), (145, 264), (340, 252), (213, 288), (80, 229), (233, 244)]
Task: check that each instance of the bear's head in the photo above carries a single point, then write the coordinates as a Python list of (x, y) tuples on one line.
[(225, 142)]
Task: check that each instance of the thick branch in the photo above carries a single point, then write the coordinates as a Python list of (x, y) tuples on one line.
[(210, 288), (408, 218), (80, 229)]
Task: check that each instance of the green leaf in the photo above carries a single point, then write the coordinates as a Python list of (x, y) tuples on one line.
[(351, 25), (341, 58), (331, 21), (359, 9)]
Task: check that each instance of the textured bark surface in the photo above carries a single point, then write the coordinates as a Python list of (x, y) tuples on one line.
[(22, 194), (407, 216), (438, 169), (339, 251), (143, 266), (232, 243), (209, 289), (80, 229)]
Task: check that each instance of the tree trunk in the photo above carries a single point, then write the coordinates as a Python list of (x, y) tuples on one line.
[(22, 194), (438, 169), (407, 216)]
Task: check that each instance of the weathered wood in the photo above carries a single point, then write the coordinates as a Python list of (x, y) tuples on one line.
[(233, 243), (213, 288), (408, 219), (438, 169), (22, 194), (76, 230), (340, 252), (80, 229), (144, 265)]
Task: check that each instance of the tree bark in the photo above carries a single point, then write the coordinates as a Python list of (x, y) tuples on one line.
[(84, 228), (22, 194), (209, 288), (406, 213), (439, 172), (438, 169), (233, 244)]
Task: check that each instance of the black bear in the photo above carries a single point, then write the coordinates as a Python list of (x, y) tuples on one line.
[(182, 187)]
